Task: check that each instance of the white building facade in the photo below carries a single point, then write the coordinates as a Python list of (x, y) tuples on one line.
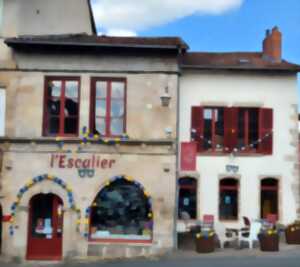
[(241, 110)]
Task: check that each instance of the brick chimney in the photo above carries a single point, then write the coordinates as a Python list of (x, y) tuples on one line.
[(272, 45)]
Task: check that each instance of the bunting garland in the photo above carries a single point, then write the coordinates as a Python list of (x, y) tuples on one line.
[(236, 149), (87, 137)]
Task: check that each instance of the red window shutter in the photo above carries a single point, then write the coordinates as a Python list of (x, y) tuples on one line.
[(266, 131), (197, 127), (230, 128)]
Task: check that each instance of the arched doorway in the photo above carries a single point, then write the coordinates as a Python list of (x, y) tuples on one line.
[(268, 197), (121, 212), (45, 228)]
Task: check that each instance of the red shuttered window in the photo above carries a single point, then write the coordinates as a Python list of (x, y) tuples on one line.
[(108, 106), (61, 107), (236, 129)]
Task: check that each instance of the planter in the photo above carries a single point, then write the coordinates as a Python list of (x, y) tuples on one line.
[(205, 244), (292, 235), (269, 242)]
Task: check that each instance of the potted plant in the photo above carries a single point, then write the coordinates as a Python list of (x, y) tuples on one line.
[(269, 239), (205, 241), (292, 233)]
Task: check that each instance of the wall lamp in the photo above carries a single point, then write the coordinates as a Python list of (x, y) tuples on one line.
[(165, 98)]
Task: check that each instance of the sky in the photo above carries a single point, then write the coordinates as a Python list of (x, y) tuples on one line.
[(206, 25)]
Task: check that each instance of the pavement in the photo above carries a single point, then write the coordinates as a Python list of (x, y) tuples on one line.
[(288, 256)]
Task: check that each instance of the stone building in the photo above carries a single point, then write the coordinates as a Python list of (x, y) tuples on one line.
[(88, 143)]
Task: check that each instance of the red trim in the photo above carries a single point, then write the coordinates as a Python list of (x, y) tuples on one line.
[(63, 80), (108, 99), (128, 241), (269, 187), (228, 187)]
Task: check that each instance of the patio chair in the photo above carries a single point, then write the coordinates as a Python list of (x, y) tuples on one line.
[(224, 235), (250, 235)]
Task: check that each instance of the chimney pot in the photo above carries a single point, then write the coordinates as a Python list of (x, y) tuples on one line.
[(272, 45)]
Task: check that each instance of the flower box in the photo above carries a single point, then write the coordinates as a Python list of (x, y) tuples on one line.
[(292, 234), (269, 242), (205, 244)]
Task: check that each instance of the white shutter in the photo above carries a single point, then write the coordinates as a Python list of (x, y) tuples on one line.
[(2, 111)]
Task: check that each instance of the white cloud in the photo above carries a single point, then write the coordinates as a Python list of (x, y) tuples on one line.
[(131, 16)]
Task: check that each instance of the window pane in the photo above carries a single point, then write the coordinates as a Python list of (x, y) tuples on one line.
[(187, 206), (100, 107), (117, 89), (70, 125), (117, 108), (53, 107), (241, 127), (53, 125), (253, 127), (100, 126), (121, 210), (54, 88), (219, 127), (71, 89), (207, 128), (71, 107), (116, 126), (101, 88)]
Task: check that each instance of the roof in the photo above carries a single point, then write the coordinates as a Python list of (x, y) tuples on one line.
[(84, 40), (92, 18), (234, 61)]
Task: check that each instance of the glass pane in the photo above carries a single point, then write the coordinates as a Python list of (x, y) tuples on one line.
[(53, 125), (71, 107), (208, 112), (42, 219), (53, 107), (253, 127), (121, 210), (71, 89), (100, 126), (101, 88), (241, 127), (70, 126), (116, 126), (100, 107), (117, 89), (54, 88), (117, 108), (219, 127)]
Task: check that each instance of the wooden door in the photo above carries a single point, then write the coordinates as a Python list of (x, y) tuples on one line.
[(45, 229)]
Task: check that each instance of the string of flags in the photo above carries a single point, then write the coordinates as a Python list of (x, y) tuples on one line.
[(87, 137), (35, 181), (236, 149)]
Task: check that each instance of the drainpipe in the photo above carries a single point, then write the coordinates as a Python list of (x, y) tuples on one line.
[(177, 158)]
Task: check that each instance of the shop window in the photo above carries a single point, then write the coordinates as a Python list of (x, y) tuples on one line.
[(2, 111), (61, 113), (228, 207), (187, 206), (227, 129), (269, 197), (121, 211), (108, 106)]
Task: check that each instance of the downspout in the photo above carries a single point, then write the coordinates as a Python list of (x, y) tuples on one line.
[(175, 237)]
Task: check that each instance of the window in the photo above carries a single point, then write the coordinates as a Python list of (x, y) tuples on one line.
[(121, 211), (269, 197), (248, 132), (187, 206), (2, 111), (232, 129), (228, 207), (108, 106), (61, 112)]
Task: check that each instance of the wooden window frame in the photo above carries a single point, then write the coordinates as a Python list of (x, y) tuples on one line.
[(108, 100), (61, 116), (229, 188)]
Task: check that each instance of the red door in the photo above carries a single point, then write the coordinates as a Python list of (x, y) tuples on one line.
[(45, 229)]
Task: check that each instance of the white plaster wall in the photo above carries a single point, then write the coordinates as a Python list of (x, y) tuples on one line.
[(246, 89)]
